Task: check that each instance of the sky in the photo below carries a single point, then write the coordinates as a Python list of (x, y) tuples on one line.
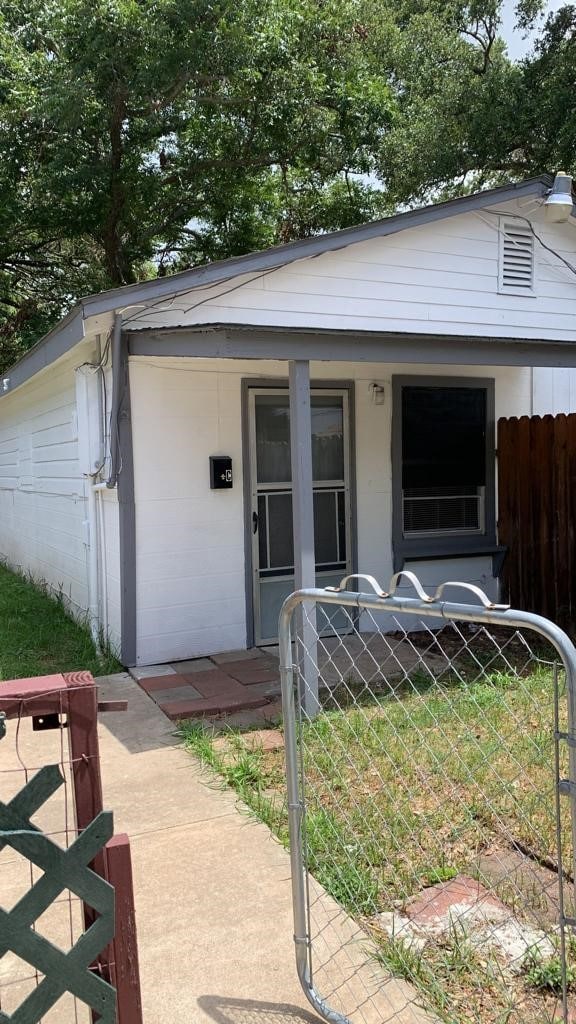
[(518, 46)]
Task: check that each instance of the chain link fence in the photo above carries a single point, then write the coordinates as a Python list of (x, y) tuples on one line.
[(430, 767)]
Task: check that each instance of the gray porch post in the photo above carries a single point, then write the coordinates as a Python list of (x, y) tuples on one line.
[(303, 525)]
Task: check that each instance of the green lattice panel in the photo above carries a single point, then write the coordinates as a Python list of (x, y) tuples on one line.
[(62, 869)]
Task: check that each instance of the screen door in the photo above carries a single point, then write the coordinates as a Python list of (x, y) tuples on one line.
[(271, 492)]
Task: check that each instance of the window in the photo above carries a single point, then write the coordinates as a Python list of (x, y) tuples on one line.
[(443, 466), (516, 260)]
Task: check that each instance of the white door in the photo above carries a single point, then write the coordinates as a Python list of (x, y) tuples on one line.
[(271, 490)]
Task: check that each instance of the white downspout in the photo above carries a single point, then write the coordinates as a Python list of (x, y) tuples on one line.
[(90, 449), (93, 601), (103, 576)]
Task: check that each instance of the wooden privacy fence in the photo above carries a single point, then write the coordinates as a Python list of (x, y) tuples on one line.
[(536, 514), (84, 867)]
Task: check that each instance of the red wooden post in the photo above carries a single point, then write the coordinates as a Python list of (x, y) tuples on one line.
[(85, 757), (76, 694), (125, 974), (84, 751), (40, 695)]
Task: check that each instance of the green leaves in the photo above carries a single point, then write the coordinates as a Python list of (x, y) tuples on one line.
[(139, 133)]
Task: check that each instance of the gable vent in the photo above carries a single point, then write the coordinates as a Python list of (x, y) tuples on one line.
[(516, 269)]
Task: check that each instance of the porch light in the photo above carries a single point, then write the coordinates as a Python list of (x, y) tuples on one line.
[(558, 203)]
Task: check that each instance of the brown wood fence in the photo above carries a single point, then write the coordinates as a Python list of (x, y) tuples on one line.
[(536, 515)]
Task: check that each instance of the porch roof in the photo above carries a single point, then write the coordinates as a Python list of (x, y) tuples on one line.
[(241, 341)]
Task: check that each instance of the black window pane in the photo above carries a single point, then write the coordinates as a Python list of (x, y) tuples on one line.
[(325, 527), (327, 438), (280, 530), (262, 532), (342, 525), (443, 437)]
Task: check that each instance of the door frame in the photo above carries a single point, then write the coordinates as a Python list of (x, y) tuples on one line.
[(281, 383)]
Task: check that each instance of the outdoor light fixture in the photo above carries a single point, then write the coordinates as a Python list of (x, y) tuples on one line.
[(558, 203), (377, 393)]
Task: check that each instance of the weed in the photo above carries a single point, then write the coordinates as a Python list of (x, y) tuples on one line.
[(242, 769), (201, 742), (440, 874), (421, 680), (402, 960), (244, 772), (500, 680), (546, 975)]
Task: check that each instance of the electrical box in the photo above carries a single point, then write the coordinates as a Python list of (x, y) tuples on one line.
[(220, 472)]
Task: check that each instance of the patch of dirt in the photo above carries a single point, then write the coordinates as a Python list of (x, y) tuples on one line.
[(451, 642), (530, 887), (467, 947)]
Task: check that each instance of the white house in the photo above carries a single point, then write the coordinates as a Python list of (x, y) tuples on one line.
[(145, 445)]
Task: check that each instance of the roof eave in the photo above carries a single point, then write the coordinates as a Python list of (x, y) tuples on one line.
[(71, 329)]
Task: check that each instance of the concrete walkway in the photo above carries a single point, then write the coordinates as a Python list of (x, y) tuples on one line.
[(212, 887), (213, 897)]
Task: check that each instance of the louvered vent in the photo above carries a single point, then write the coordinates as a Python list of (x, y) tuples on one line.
[(516, 258)]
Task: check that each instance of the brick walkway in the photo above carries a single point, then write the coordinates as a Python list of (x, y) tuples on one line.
[(245, 685), (223, 684)]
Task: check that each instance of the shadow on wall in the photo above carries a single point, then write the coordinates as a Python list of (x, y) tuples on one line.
[(248, 1011)]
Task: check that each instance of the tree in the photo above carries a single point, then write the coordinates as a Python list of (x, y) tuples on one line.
[(466, 116), (141, 136), (548, 126)]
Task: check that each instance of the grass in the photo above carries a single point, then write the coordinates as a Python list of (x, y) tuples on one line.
[(445, 973), (412, 787), (546, 975), (38, 637), (243, 769)]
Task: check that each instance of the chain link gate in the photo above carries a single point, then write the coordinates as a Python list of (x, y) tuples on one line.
[(431, 783)]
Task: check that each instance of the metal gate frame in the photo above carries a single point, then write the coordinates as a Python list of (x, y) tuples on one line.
[(424, 606)]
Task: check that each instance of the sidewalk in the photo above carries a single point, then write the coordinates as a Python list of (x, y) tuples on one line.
[(212, 888), (213, 893)]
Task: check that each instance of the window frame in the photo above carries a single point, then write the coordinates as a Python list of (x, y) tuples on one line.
[(445, 545)]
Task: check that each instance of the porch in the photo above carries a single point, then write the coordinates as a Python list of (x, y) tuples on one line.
[(244, 686), (197, 562)]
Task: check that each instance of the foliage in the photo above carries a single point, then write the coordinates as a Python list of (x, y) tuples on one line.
[(139, 134), (545, 974), (142, 136), (38, 637)]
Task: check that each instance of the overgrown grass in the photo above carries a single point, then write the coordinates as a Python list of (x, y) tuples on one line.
[(425, 782), (38, 637), (413, 788)]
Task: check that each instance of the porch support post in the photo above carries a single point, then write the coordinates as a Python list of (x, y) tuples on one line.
[(303, 527)]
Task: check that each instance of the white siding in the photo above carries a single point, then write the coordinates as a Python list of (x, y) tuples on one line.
[(42, 504), (554, 391), (437, 279), (190, 540)]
